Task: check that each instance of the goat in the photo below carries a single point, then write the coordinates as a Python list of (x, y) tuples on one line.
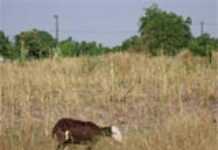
[(68, 130)]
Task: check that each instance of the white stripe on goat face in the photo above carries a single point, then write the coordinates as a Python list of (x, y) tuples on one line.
[(116, 134), (67, 135)]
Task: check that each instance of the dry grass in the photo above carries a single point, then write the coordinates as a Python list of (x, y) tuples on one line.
[(160, 103)]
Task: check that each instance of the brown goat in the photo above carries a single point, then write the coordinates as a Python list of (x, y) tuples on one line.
[(68, 130)]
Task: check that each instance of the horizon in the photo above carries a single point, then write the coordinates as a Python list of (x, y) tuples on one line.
[(94, 21)]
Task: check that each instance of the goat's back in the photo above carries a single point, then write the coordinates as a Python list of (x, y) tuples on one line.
[(78, 130)]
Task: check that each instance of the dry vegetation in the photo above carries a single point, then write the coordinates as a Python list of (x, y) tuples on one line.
[(160, 103)]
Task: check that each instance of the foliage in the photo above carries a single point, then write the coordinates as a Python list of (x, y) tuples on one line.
[(164, 32), (91, 48), (72, 48), (134, 42), (203, 45), (37, 43), (69, 47), (6, 49)]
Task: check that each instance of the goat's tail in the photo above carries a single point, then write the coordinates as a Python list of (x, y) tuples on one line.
[(54, 130)]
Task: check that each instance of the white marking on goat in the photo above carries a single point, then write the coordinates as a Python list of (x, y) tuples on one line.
[(116, 134), (67, 136)]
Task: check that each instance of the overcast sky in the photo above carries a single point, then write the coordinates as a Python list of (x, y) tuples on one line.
[(105, 21)]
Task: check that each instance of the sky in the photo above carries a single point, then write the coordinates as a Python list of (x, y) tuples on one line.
[(106, 21)]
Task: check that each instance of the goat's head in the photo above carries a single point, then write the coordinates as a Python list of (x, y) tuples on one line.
[(113, 132), (116, 134)]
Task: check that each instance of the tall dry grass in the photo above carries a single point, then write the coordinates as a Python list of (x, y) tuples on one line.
[(160, 103)]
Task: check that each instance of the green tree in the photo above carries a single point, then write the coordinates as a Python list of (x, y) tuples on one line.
[(91, 48), (37, 43), (134, 42), (164, 32), (204, 45), (6, 49), (69, 47)]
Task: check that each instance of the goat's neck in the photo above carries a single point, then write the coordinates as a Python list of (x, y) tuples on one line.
[(106, 131)]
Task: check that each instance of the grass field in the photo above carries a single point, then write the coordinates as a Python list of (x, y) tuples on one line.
[(160, 103)]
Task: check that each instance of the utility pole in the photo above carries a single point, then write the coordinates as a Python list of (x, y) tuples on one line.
[(56, 28), (202, 27)]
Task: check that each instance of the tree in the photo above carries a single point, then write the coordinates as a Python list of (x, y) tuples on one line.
[(204, 45), (37, 43), (5, 46), (164, 32), (91, 48), (69, 47), (134, 42)]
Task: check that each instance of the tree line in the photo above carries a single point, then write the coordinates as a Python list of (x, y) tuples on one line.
[(160, 33), (35, 44)]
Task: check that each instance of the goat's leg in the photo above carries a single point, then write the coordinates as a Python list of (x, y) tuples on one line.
[(89, 148), (91, 145), (61, 146)]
